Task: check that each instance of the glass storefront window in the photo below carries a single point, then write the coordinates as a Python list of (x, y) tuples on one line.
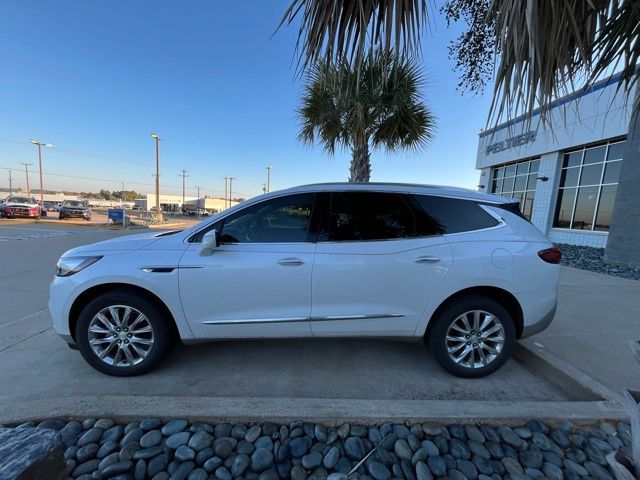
[(587, 188), (517, 180)]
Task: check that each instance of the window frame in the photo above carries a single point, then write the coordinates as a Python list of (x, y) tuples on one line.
[(498, 175), (583, 149)]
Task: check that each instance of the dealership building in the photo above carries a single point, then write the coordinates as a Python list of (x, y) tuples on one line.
[(566, 172)]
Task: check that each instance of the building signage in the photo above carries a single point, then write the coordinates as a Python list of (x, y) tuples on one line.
[(518, 140)]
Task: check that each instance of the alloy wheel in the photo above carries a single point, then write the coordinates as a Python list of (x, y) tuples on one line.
[(475, 339), (120, 335)]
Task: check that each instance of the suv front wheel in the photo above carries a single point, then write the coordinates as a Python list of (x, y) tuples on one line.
[(472, 337), (122, 334)]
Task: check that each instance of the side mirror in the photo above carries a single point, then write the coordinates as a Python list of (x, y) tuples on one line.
[(210, 242)]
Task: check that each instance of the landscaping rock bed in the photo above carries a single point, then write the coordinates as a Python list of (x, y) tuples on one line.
[(154, 449), (589, 258)]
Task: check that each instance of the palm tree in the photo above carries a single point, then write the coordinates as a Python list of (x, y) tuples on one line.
[(380, 105)]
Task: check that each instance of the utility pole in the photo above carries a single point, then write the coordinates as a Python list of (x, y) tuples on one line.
[(264, 188), (198, 201), (124, 224), (26, 172), (158, 212), (268, 178), (226, 181), (183, 175), (40, 145), (10, 183), (230, 196)]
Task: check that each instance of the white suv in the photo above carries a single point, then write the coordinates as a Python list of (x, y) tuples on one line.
[(461, 269)]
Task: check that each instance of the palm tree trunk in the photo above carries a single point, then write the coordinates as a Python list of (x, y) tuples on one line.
[(360, 164)]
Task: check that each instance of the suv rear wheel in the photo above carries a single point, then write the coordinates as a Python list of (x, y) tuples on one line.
[(122, 334), (472, 337)]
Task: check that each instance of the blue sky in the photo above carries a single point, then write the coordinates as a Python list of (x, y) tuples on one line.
[(95, 78)]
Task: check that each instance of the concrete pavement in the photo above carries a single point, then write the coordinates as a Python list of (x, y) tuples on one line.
[(597, 317)]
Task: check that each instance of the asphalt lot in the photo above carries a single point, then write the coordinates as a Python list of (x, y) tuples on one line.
[(30, 351)]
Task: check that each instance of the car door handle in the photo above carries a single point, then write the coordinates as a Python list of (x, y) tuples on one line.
[(427, 259), (290, 262)]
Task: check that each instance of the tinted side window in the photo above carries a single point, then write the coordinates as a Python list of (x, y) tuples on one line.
[(369, 216), (280, 220), (455, 215)]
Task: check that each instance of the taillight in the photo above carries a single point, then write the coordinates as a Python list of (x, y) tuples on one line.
[(551, 255), (34, 210)]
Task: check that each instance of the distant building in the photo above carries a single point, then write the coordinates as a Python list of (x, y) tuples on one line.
[(173, 203), (567, 173)]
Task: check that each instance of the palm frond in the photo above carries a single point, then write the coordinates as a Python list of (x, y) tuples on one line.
[(340, 29)]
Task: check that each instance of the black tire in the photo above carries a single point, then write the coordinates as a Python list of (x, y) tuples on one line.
[(163, 337), (437, 342)]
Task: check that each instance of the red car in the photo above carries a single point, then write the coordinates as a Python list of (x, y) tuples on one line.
[(15, 206)]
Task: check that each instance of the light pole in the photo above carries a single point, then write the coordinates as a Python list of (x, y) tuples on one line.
[(40, 145), (226, 181), (10, 183), (26, 172), (198, 201), (268, 178), (158, 212), (124, 224), (230, 196), (183, 175)]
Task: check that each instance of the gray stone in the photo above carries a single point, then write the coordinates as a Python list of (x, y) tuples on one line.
[(379, 471), (52, 424), (566, 426), (361, 431), (344, 465), (178, 439), (222, 448), (423, 472), (298, 473), (127, 452), (432, 429), (147, 453), (467, 468), (184, 454), (474, 433), (419, 456), (140, 470), (161, 476), (113, 434), (245, 447), (402, 449), (531, 459), (330, 459), (561, 438), (478, 449), (497, 467), (222, 430), (33, 453), (70, 452), (183, 471), (157, 464), (354, 448), (109, 460), (116, 468), (600, 444), (509, 436), (106, 449), (482, 464), (490, 433), (239, 464), (455, 474), (321, 433), (173, 426), (598, 471), (200, 441), (298, 447), (86, 467), (198, 474), (495, 449), (104, 423), (87, 452), (203, 455), (595, 454), (261, 459), (523, 432), (90, 436), (264, 442), (88, 423), (430, 447), (552, 472), (343, 430), (312, 460), (437, 466), (575, 467), (151, 438), (212, 464), (150, 424), (284, 469), (607, 428), (534, 474), (541, 441), (133, 436), (201, 427), (253, 433), (576, 455), (512, 466), (457, 431), (130, 426), (270, 474), (459, 449), (334, 476), (537, 426)]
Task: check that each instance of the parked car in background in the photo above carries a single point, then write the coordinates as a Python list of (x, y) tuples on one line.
[(74, 209), (460, 269), (19, 206), (49, 206)]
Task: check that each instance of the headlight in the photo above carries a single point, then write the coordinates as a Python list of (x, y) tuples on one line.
[(69, 265)]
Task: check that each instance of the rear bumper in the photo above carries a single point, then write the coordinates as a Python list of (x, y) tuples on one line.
[(541, 324)]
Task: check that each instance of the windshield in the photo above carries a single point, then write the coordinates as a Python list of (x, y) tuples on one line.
[(73, 203), (21, 200)]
